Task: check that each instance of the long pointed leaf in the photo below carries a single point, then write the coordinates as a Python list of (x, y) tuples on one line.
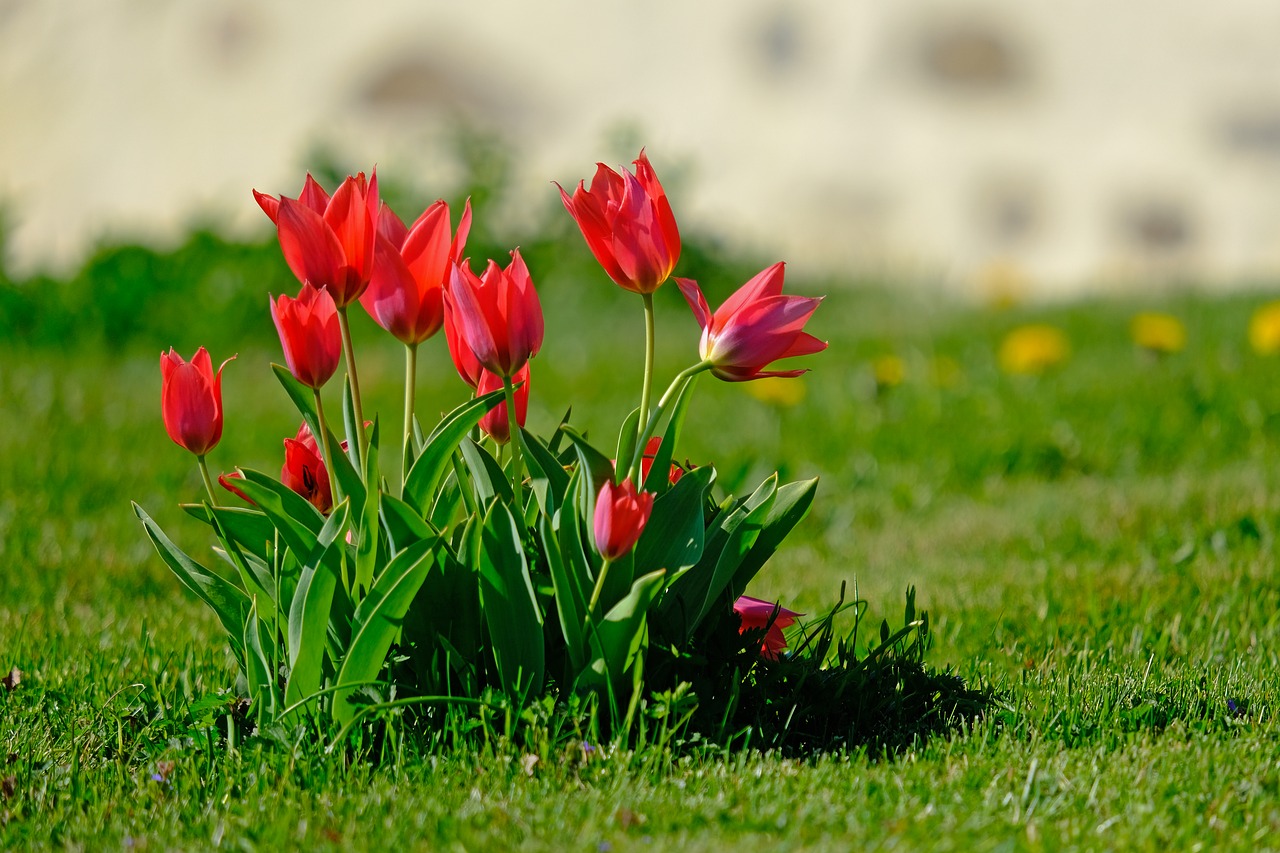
[(310, 611), (511, 607), (348, 478), (428, 470)]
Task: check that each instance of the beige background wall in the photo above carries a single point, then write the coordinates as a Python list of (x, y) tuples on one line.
[(982, 144)]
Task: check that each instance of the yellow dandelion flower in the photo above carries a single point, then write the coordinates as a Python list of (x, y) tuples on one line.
[(1033, 349), (777, 390), (889, 371), (1158, 333), (1264, 329)]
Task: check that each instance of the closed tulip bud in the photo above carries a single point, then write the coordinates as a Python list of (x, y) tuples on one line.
[(757, 614), (754, 327), (628, 225), (497, 314), (191, 400), (621, 514), (495, 423), (309, 334), (329, 241)]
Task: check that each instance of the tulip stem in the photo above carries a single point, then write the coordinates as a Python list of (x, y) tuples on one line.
[(599, 588), (359, 443), (646, 390), (517, 458), (208, 482), (327, 447), (410, 381), (673, 390)]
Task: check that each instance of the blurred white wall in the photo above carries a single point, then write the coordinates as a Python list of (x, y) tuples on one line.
[(991, 144)]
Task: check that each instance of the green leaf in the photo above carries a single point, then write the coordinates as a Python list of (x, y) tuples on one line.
[(250, 527), (403, 525), (550, 480), (310, 611), (617, 639), (510, 605), (597, 470), (294, 517), (254, 575), (257, 669), (489, 479), (673, 537), (428, 470), (226, 600), (627, 442), (377, 620), (449, 499), (570, 598), (354, 430), (789, 507), (369, 526)]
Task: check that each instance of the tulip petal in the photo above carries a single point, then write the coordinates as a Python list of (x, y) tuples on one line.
[(697, 302), (270, 204), (310, 247)]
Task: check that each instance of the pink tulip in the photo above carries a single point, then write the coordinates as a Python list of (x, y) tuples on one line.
[(495, 422), (498, 315), (329, 241), (191, 400), (411, 268), (309, 334), (621, 514), (754, 327), (755, 615), (628, 225)]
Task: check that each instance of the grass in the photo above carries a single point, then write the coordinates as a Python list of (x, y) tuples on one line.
[(1096, 544)]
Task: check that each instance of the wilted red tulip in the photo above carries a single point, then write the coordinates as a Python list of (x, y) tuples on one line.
[(329, 241), (411, 268), (191, 400), (754, 327), (621, 514), (495, 423), (755, 615), (309, 334), (628, 225), (305, 472), (498, 314)]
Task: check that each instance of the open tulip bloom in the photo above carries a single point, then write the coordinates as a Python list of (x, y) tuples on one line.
[(501, 566)]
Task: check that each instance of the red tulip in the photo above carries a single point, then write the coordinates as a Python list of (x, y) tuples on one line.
[(410, 271), (329, 241), (305, 472), (756, 614), (754, 327), (495, 422), (621, 514), (227, 481), (191, 400), (464, 360), (628, 225), (310, 335), (497, 314)]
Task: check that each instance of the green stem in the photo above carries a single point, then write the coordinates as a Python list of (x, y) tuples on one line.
[(208, 481), (359, 443), (410, 381), (595, 593), (326, 448), (646, 391), (673, 390), (517, 458)]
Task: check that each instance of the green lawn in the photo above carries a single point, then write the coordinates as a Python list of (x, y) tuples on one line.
[(1096, 544)]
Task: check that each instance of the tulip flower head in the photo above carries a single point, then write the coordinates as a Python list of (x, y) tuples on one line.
[(754, 327), (621, 514), (411, 268), (497, 314), (309, 334), (464, 360), (757, 614), (191, 400), (496, 423), (329, 241), (305, 472), (628, 225)]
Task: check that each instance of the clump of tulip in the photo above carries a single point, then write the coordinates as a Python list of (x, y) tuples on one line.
[(497, 561)]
